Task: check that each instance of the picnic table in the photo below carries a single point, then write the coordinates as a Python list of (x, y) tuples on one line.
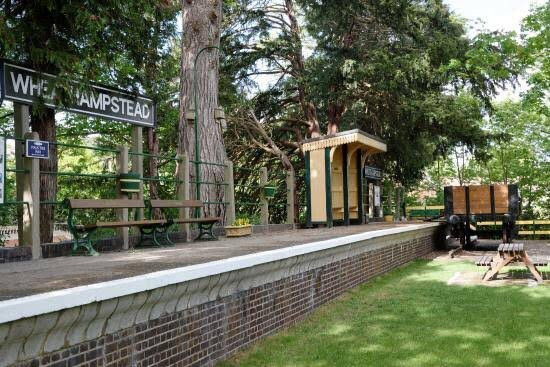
[(509, 253)]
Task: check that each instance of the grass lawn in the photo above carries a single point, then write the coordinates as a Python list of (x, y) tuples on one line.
[(411, 317)]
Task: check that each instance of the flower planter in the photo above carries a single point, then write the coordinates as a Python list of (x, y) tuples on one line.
[(388, 218), (238, 231), (269, 191), (129, 182)]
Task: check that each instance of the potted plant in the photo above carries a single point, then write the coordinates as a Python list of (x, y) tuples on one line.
[(269, 190), (241, 227)]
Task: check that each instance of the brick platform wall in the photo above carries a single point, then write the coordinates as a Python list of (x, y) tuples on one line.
[(211, 331)]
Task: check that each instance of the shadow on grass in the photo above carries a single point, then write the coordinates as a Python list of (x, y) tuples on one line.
[(411, 317)]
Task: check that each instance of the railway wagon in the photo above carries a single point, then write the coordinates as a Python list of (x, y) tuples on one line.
[(466, 205)]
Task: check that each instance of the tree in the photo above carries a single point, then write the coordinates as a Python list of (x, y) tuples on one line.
[(201, 21), (520, 155), (76, 39), (536, 55)]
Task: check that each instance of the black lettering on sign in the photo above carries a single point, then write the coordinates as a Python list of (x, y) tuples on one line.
[(28, 86)]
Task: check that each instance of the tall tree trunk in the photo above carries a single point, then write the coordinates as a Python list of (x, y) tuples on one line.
[(297, 60), (398, 198), (152, 167), (43, 122), (335, 113), (201, 21)]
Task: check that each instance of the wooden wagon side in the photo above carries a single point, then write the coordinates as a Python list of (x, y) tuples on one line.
[(465, 205)]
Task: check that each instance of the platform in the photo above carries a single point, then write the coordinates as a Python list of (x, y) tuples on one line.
[(192, 304), (28, 278)]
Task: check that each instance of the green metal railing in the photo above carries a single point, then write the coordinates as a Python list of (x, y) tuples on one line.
[(250, 189)]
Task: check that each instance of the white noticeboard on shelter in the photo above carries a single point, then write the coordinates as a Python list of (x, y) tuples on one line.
[(2, 168), (376, 195)]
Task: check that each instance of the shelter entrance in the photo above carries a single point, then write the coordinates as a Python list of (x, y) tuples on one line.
[(336, 189)]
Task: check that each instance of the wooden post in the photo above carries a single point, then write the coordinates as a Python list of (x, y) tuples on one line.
[(22, 123), (30, 187), (122, 214), (328, 188), (290, 197), (264, 214), (229, 194), (137, 160), (309, 224), (345, 187), (182, 192), (360, 188)]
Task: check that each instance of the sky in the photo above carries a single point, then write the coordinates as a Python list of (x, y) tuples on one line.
[(496, 14)]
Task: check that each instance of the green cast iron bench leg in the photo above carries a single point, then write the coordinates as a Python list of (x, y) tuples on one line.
[(206, 229), (164, 231), (145, 231), (84, 242)]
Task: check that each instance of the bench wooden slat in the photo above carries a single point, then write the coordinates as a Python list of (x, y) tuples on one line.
[(196, 220), (105, 204), (484, 260), (124, 223), (540, 262), (176, 204)]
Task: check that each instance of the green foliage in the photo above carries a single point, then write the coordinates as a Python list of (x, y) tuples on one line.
[(125, 44), (387, 67), (537, 39), (241, 222)]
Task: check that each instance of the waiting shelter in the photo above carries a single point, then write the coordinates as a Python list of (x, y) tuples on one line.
[(335, 187)]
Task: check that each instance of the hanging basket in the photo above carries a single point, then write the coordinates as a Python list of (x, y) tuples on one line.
[(269, 191), (129, 182)]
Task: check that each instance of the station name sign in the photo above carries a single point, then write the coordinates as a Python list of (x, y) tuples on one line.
[(27, 86), (372, 172)]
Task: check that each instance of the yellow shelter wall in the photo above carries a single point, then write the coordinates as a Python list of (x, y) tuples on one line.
[(318, 185), (337, 183), (353, 190)]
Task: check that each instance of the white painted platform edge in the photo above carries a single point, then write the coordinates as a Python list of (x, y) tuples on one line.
[(19, 308)]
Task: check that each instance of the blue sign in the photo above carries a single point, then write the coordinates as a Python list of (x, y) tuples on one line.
[(37, 149)]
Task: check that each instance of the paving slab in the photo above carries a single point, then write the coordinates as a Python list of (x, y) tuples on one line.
[(32, 277)]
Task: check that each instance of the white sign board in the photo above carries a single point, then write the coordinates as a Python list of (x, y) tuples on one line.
[(24, 85), (376, 195), (2, 168)]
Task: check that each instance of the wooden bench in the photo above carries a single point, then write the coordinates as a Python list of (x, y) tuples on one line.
[(82, 233), (485, 260), (205, 224), (153, 228), (512, 253), (540, 262)]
